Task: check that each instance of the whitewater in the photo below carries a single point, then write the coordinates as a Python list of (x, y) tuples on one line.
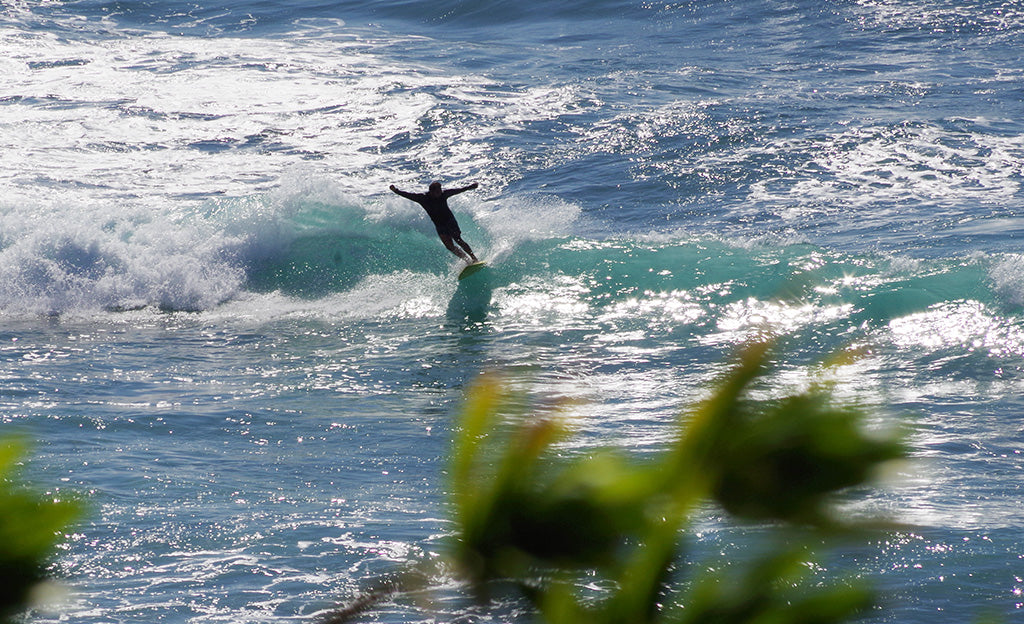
[(220, 329)]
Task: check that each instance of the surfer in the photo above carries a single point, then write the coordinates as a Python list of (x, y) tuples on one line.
[(435, 202)]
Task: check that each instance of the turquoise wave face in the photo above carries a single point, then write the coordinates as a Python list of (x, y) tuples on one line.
[(316, 264), (332, 249), (713, 288), (641, 290)]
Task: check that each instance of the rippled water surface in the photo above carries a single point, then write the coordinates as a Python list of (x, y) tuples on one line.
[(221, 328)]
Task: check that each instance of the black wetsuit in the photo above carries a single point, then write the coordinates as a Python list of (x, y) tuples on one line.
[(438, 210)]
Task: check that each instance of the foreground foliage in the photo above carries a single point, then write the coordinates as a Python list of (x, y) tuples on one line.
[(524, 514), (30, 527)]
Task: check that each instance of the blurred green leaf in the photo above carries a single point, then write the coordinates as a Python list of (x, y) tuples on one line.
[(544, 521), (789, 458), (30, 528), (781, 459)]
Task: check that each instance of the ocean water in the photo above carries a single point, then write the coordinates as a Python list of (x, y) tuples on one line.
[(221, 329)]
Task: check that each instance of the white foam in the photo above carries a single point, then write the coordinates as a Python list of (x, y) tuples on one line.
[(162, 116), (166, 118), (928, 16), (1008, 276), (54, 260), (513, 221), (399, 294), (879, 165)]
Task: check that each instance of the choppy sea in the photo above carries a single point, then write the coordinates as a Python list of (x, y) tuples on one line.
[(220, 328)]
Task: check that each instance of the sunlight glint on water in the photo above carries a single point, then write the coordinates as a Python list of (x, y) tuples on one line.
[(223, 330)]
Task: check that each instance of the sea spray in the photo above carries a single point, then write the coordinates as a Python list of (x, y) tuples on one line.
[(1007, 274), (110, 258)]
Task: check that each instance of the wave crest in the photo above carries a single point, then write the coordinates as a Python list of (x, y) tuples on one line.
[(52, 263)]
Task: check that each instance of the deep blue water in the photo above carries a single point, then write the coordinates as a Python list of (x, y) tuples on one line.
[(221, 328)]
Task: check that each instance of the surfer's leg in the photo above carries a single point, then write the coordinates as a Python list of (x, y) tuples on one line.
[(465, 245), (450, 244)]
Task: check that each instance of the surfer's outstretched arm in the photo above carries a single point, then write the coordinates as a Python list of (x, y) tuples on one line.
[(395, 190), (456, 191)]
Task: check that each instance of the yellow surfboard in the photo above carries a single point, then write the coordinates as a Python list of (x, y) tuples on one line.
[(471, 269)]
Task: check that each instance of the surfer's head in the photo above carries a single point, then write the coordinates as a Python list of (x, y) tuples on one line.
[(435, 188)]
